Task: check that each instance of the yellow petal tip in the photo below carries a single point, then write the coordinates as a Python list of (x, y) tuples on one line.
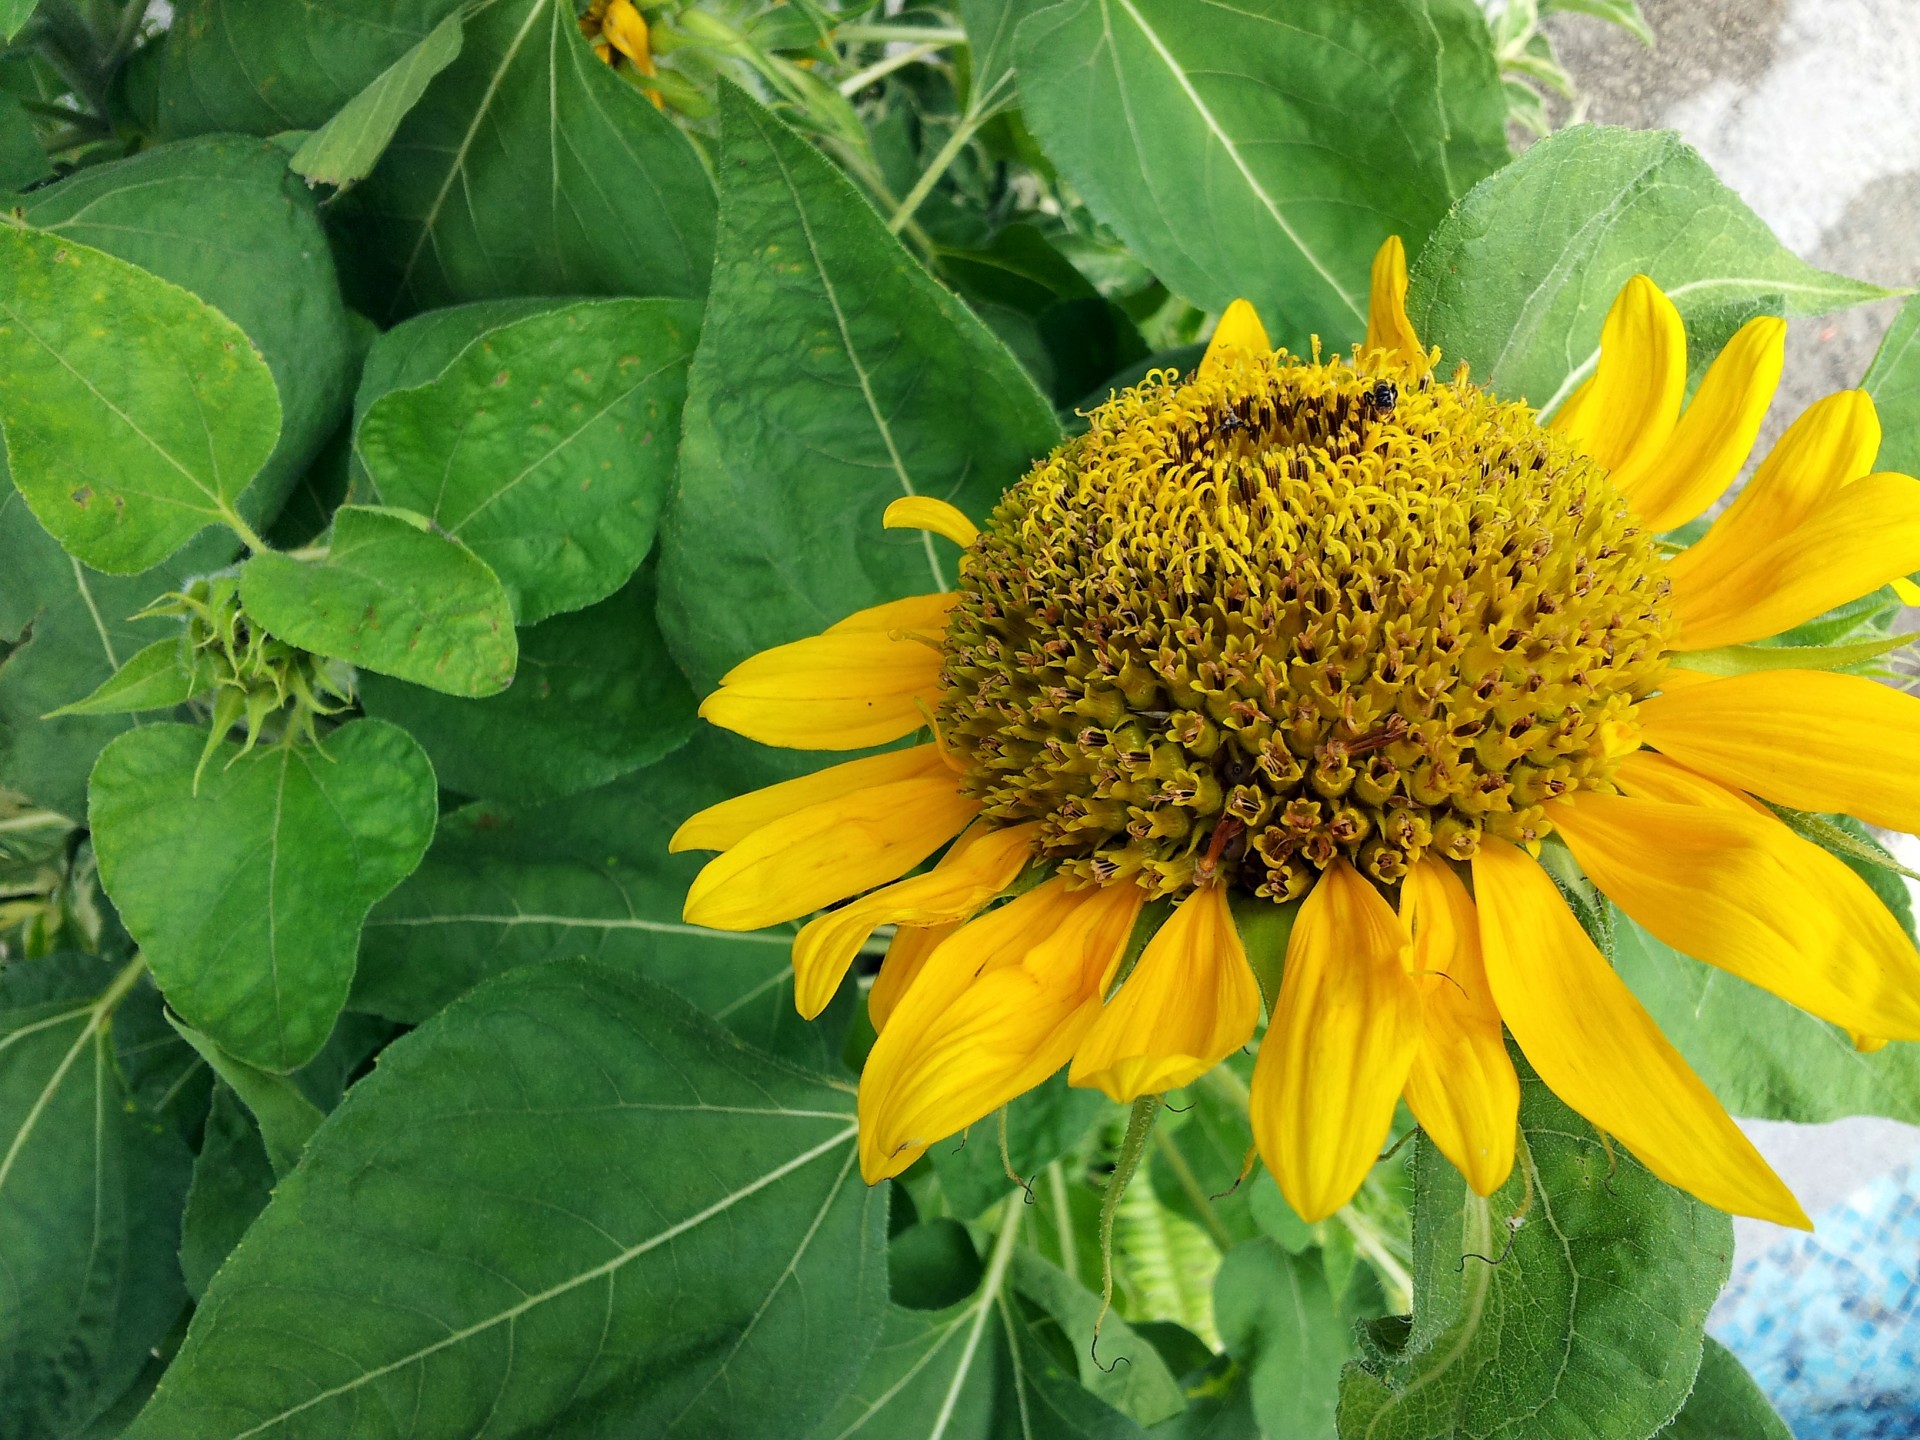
[(923, 512), (1239, 331)]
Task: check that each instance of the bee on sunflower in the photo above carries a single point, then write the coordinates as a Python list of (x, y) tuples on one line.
[(1371, 647)]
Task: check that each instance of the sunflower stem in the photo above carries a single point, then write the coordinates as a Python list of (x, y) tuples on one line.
[(1139, 1127), (1063, 1221)]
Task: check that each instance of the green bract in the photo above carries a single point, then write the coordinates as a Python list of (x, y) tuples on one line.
[(409, 409)]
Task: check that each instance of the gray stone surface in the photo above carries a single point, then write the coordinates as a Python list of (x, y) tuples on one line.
[(1810, 109)]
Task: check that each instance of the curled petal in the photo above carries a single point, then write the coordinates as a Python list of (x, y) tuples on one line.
[(1239, 331), (1190, 1002), (1626, 413), (906, 956), (845, 690), (981, 864), (1345, 1030), (1714, 437), (1462, 1088), (923, 512), (996, 1009), (828, 851), (1387, 325), (1599, 1050)]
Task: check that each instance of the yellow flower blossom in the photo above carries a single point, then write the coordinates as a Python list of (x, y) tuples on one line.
[(1344, 635)]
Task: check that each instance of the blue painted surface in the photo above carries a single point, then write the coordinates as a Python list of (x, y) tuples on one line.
[(1829, 1323)]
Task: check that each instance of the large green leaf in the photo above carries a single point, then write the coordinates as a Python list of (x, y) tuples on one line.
[(394, 595), (261, 69), (1281, 1322), (569, 1206), (90, 1196), (595, 696), (134, 413), (1725, 1404), (546, 446), (1759, 1054), (348, 146), (1894, 384), (232, 1182), (224, 218), (64, 630), (1519, 277), (1577, 1311), (1266, 149), (833, 376), (530, 168), (588, 875), (246, 895)]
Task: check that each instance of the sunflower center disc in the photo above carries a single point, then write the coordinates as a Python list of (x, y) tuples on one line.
[(1283, 612)]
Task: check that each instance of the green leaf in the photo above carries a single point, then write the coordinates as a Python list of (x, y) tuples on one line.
[(932, 1265), (1894, 383), (1042, 1125), (224, 218), (90, 1195), (1518, 279), (1760, 1055), (252, 70), (596, 696), (1266, 150), (247, 897), (286, 1117), (22, 161), (833, 376), (13, 15), (1122, 1369), (391, 595), (232, 1182), (1587, 1323), (134, 413), (64, 631), (531, 168), (1725, 1404), (1280, 1322), (156, 678), (571, 1205), (588, 875), (348, 146), (1624, 13), (546, 445)]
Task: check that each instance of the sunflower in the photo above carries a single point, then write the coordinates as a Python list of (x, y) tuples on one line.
[(1342, 646), (616, 27)]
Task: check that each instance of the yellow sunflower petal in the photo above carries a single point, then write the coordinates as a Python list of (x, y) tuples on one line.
[(838, 691), (1739, 890), (626, 29), (1630, 411), (826, 852), (981, 864), (1806, 739), (1833, 442), (1462, 1088), (1190, 1002), (906, 956), (996, 1009), (1387, 325), (1345, 1029), (923, 512), (1599, 1050), (1858, 540), (1239, 329), (722, 826), (1714, 437), (1867, 1044), (920, 615)]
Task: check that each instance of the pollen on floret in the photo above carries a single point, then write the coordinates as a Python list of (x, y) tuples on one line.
[(1284, 611)]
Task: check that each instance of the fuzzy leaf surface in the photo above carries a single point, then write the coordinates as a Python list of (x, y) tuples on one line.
[(570, 1205), (1266, 149), (247, 896), (546, 446), (1725, 1404), (134, 413), (1590, 1325), (833, 376), (90, 1196), (595, 696), (394, 596), (1518, 279)]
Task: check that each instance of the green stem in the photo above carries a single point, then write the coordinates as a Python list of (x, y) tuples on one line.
[(128, 977), (248, 535), (1139, 1126), (128, 35), (1195, 1192), (36, 820), (977, 115), (1373, 1245), (880, 69), (906, 34)]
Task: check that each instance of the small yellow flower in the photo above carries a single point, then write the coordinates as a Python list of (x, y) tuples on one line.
[(1342, 633), (615, 25)]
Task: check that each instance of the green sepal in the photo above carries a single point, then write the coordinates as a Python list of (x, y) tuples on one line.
[(156, 678), (1728, 660), (1265, 928)]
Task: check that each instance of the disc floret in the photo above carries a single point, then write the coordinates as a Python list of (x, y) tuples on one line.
[(1284, 611)]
